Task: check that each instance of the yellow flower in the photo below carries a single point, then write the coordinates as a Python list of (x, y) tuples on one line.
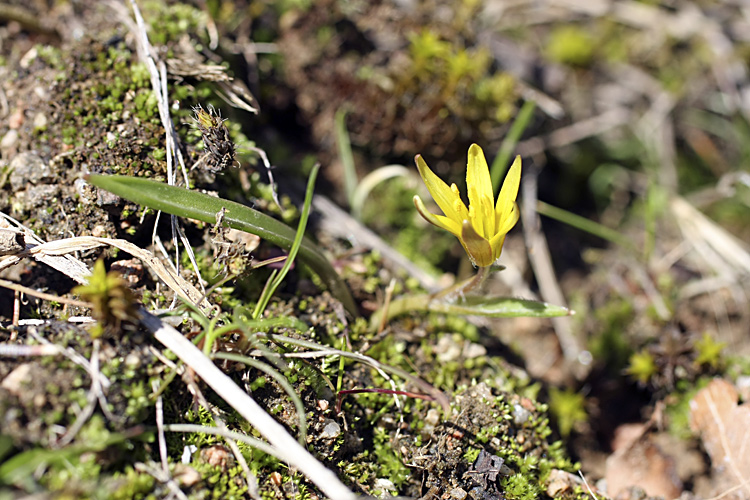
[(482, 227)]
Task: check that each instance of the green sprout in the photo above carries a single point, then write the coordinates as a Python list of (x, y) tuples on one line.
[(709, 351), (568, 407), (642, 366), (112, 302)]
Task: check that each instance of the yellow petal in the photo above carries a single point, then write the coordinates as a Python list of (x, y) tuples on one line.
[(479, 185), (507, 222), (438, 220), (496, 243), (506, 210), (478, 248), (447, 199)]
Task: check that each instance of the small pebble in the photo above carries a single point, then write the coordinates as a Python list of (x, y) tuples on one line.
[(520, 414), (86, 192), (133, 360), (15, 380), (384, 484), (27, 168), (331, 430), (430, 421), (9, 140), (472, 350), (458, 494), (187, 453), (40, 121)]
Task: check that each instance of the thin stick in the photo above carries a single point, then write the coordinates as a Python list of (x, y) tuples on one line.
[(541, 263), (42, 295), (287, 448), (159, 408)]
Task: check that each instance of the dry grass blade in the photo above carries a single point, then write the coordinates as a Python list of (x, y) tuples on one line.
[(66, 264), (717, 249), (337, 222), (56, 254), (725, 429), (286, 446), (541, 263), (724, 253), (173, 281)]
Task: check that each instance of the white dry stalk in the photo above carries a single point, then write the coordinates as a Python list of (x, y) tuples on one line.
[(62, 248), (158, 74), (174, 488), (250, 480), (73, 356), (159, 408), (338, 223), (719, 250), (541, 263), (287, 448), (66, 264), (95, 394)]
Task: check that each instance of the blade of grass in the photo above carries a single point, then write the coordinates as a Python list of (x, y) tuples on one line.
[(583, 224), (502, 158), (345, 153), (441, 398), (368, 183), (287, 448), (280, 379), (277, 278), (185, 203)]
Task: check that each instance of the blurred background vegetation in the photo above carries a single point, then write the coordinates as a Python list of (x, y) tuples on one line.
[(636, 164)]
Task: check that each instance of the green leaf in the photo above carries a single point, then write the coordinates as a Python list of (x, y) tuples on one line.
[(19, 469), (494, 307), (277, 278), (499, 307), (186, 203)]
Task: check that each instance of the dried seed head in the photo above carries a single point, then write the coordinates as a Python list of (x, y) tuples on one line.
[(220, 150)]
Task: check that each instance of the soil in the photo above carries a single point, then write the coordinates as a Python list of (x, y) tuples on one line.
[(76, 99)]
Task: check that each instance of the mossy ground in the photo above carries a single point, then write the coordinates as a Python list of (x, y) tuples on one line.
[(82, 103)]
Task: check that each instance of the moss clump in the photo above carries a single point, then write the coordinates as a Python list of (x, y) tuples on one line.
[(438, 76), (571, 45)]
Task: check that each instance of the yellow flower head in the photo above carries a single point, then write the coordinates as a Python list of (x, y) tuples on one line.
[(482, 227)]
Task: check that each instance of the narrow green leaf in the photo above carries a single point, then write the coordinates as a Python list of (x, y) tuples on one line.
[(345, 154), (583, 224), (502, 159), (494, 307), (276, 279), (191, 204), (19, 469), (499, 307)]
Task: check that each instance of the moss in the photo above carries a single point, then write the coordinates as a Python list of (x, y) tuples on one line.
[(642, 366), (569, 409), (520, 487), (131, 484), (390, 464), (173, 21), (678, 407), (610, 347), (709, 351), (571, 45)]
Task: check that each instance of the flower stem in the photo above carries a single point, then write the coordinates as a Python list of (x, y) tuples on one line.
[(408, 303), (472, 284)]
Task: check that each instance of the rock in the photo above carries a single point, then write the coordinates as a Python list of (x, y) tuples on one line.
[(28, 167), (331, 430), (9, 140)]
